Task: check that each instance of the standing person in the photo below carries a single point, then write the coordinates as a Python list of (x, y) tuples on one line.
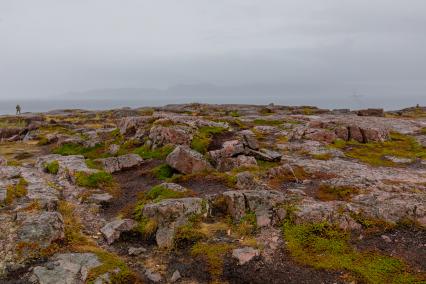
[(18, 109)]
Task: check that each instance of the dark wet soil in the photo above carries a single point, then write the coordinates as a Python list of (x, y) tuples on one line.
[(408, 244), (205, 185), (132, 182), (219, 138), (282, 270)]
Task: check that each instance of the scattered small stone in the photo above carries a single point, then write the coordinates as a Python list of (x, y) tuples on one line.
[(244, 255), (176, 276), (386, 238), (113, 230), (153, 276), (136, 251)]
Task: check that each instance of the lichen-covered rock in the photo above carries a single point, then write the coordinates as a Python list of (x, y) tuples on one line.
[(100, 198), (187, 161), (173, 186), (68, 165), (265, 155), (391, 207), (175, 134), (261, 202), (41, 228), (169, 214), (113, 230), (124, 162), (228, 164), (321, 135), (130, 125), (249, 139), (67, 268)]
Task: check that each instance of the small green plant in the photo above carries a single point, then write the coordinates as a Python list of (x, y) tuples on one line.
[(202, 140), (52, 167), (146, 226), (16, 191), (95, 180), (163, 172), (158, 153), (91, 164), (247, 225), (159, 193), (97, 151)]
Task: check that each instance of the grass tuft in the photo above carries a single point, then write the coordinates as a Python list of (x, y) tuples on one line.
[(52, 167), (213, 254), (16, 191), (96, 180), (158, 153), (163, 172), (202, 140)]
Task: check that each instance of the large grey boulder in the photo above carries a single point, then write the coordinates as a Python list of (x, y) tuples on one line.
[(68, 165), (67, 268), (174, 134), (113, 230), (249, 139), (261, 202), (170, 214), (130, 125), (124, 162), (41, 228), (187, 161)]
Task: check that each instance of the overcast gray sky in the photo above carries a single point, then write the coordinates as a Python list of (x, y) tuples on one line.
[(316, 49)]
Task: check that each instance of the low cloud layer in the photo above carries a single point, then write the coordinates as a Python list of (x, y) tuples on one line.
[(320, 51)]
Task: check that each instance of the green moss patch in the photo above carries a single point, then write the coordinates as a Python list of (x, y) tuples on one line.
[(52, 167), (95, 180), (158, 153), (159, 193), (373, 153), (163, 172), (204, 137), (323, 246), (95, 152), (91, 164)]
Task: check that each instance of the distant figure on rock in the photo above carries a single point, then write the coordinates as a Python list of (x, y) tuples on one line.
[(18, 109)]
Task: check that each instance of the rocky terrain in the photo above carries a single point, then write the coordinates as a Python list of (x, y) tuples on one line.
[(213, 194)]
